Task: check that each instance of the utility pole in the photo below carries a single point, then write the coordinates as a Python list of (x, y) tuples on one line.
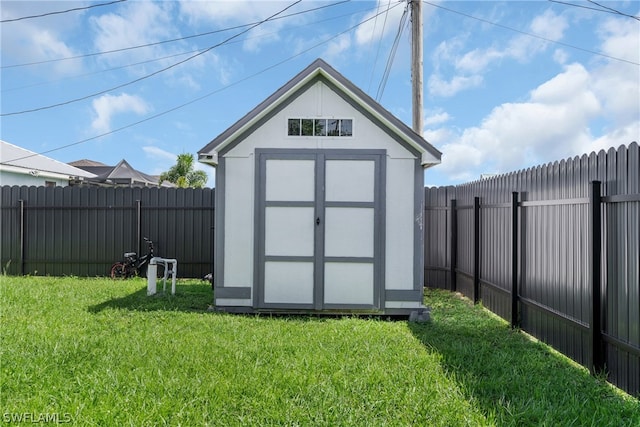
[(416, 65)]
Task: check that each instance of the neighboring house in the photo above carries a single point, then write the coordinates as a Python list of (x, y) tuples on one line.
[(319, 203), (19, 166), (120, 175)]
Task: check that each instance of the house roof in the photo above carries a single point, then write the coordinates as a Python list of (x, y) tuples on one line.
[(21, 160), (319, 70), (86, 162), (122, 173)]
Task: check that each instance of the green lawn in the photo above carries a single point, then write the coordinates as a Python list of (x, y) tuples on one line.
[(99, 352)]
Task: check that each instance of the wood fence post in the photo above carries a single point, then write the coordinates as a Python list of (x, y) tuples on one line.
[(453, 245), (476, 249), (595, 259), (515, 320)]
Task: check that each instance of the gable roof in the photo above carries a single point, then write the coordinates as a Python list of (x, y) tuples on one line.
[(122, 173), (319, 70), (21, 160), (86, 162)]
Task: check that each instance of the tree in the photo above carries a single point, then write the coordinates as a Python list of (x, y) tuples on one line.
[(183, 175)]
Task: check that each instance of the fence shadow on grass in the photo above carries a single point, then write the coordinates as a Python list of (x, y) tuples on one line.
[(189, 297), (520, 381)]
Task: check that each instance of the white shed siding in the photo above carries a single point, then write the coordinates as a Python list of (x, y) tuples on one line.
[(273, 133), (238, 212), (400, 224)]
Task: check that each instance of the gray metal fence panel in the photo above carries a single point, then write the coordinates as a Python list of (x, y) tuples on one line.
[(83, 230), (438, 238), (553, 271)]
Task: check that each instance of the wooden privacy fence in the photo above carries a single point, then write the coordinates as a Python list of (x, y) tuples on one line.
[(81, 231), (555, 250)]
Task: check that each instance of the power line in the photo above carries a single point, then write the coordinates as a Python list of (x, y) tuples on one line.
[(200, 98), (192, 36), (617, 12), (106, 70), (602, 8), (41, 83), (152, 74), (61, 11), (384, 24), (530, 34), (392, 54)]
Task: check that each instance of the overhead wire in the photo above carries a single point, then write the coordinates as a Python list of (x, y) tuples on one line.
[(375, 61), (200, 98), (22, 18), (302, 52), (601, 8), (4, 89), (192, 36), (392, 54), (530, 34), (32, 110), (614, 11)]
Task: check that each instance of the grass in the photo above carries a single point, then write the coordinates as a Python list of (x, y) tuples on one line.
[(99, 352)]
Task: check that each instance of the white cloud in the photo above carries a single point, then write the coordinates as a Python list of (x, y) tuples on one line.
[(385, 24), (617, 83), (580, 110), (108, 106), (156, 153), (436, 118), (30, 41), (617, 137), (242, 12), (477, 60), (560, 56), (469, 66), (439, 87), (337, 47), (549, 25), (552, 124), (137, 24), (620, 39)]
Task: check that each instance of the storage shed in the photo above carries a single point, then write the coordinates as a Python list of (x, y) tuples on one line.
[(319, 203)]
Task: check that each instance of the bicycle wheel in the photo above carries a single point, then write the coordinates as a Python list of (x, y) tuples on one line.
[(118, 271)]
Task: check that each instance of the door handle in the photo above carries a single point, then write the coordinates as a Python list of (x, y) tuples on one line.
[(318, 221)]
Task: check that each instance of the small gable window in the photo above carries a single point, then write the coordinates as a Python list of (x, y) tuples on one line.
[(320, 127)]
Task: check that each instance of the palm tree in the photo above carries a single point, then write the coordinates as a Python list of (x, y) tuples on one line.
[(183, 175)]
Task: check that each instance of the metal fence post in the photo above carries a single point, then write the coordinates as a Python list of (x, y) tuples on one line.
[(476, 249), (138, 225), (21, 202), (595, 259), (453, 244), (515, 321)]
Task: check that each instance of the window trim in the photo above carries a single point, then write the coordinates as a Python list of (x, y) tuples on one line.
[(300, 127)]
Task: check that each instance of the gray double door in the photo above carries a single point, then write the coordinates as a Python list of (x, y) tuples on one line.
[(320, 229)]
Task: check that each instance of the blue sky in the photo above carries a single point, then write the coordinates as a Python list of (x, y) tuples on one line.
[(507, 85)]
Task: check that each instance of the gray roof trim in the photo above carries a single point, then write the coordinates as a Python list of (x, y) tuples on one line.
[(317, 69)]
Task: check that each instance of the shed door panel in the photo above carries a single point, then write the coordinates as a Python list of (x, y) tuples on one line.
[(349, 231), (288, 217), (289, 231), (319, 219)]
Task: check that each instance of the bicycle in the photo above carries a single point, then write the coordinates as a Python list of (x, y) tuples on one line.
[(132, 265)]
